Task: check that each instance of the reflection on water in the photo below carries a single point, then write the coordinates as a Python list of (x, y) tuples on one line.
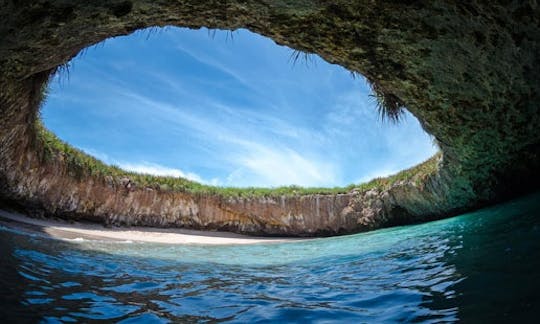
[(481, 266)]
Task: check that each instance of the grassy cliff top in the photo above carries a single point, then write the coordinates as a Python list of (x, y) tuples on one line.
[(81, 165)]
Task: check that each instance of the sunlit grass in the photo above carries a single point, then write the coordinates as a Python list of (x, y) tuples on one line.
[(81, 166)]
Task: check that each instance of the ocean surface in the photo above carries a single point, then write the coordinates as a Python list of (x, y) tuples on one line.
[(478, 267)]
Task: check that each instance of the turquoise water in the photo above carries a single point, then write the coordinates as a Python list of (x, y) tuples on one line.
[(478, 267)]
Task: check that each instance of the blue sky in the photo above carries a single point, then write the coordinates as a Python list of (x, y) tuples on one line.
[(229, 111)]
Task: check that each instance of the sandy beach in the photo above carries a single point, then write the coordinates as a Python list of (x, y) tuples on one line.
[(90, 231)]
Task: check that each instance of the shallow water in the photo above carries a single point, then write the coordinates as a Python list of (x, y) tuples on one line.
[(478, 267)]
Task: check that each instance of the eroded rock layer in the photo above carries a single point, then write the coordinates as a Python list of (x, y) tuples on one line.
[(469, 72)]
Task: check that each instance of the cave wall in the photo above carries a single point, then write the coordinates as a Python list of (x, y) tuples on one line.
[(469, 72)]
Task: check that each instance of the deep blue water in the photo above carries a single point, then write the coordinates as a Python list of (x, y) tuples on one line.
[(478, 267)]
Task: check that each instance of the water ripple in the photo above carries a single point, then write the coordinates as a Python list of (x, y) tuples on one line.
[(478, 267)]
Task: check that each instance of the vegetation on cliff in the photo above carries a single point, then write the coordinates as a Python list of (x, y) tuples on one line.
[(82, 166)]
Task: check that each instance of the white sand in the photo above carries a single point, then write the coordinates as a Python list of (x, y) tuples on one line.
[(64, 230)]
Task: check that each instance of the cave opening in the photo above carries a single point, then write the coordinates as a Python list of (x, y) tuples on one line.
[(228, 109)]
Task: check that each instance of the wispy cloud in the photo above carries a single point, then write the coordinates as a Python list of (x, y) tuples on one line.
[(265, 166), (255, 160), (204, 59), (156, 169), (243, 122), (151, 168)]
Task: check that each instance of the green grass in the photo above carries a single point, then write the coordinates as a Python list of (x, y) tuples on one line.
[(81, 166)]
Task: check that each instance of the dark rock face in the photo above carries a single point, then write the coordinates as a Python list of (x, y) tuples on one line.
[(470, 72)]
